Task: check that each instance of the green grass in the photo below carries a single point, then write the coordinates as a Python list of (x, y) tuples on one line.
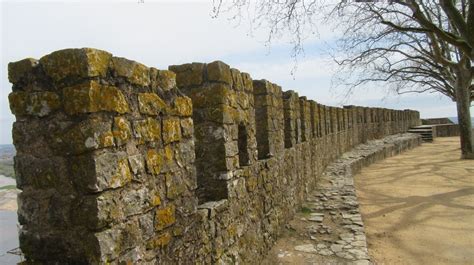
[(8, 187), (6, 168)]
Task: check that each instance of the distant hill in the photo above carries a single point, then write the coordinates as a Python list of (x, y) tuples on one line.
[(455, 119), (7, 152)]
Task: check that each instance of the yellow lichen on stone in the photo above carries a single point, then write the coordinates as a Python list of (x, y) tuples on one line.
[(154, 161), (124, 175), (164, 79), (88, 135), (82, 63), (121, 130), (151, 104), (148, 130), (183, 106), (36, 104), (171, 130), (16, 70), (93, 97), (159, 241), (165, 217), (135, 73), (156, 200), (168, 154)]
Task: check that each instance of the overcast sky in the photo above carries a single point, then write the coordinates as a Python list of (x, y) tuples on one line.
[(162, 33)]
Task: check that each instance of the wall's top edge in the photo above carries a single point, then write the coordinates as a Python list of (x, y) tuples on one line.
[(69, 66)]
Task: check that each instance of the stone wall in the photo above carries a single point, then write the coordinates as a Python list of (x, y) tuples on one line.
[(117, 165), (446, 130), (435, 121)]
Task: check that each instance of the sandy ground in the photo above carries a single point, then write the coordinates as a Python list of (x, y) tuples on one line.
[(418, 207)]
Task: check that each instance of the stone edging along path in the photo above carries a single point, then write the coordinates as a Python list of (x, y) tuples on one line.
[(329, 228)]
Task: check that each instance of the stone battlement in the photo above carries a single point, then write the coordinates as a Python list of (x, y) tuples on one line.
[(198, 164)]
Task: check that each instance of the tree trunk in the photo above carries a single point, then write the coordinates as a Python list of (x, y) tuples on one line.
[(463, 102)]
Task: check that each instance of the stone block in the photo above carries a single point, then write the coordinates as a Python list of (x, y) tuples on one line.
[(237, 82), (247, 82), (121, 130), (159, 241), (163, 79), (219, 71), (43, 173), (211, 96), (85, 136), (148, 130), (17, 70), (137, 200), (183, 106), (102, 171), (165, 217), (76, 63), (35, 104), (97, 211), (137, 164), (151, 104), (187, 127), (171, 130), (188, 75), (154, 161), (135, 73), (93, 97), (175, 185)]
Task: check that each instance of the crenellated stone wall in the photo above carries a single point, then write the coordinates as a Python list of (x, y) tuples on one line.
[(119, 166)]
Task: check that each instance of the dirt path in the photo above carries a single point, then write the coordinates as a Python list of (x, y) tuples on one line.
[(328, 229), (418, 207)]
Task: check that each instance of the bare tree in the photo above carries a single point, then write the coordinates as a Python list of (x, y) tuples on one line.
[(415, 46)]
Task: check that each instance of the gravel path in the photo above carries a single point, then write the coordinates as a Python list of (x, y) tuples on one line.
[(329, 229)]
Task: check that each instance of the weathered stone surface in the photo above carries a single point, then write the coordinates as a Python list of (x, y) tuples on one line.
[(36, 104), (159, 241), (93, 97), (135, 73), (183, 106), (151, 104), (219, 71), (122, 130), (117, 166), (154, 161), (188, 74), (163, 79), (76, 63), (101, 172), (17, 70), (171, 130), (85, 136), (148, 130), (165, 217)]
